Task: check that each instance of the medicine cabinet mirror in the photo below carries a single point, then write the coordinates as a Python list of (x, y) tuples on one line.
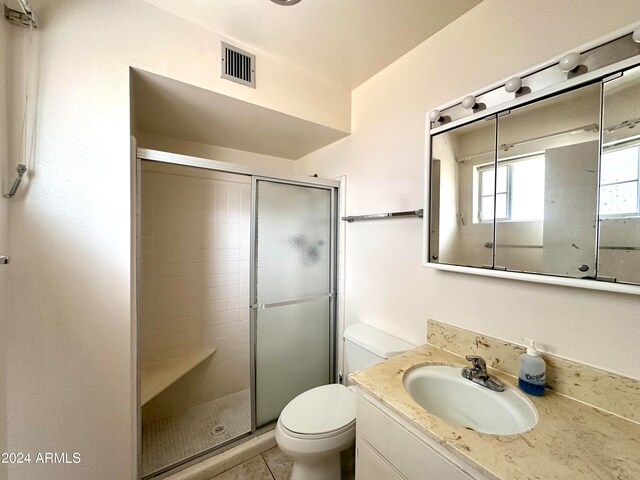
[(548, 187)]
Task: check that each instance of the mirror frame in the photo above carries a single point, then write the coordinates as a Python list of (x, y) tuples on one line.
[(496, 91)]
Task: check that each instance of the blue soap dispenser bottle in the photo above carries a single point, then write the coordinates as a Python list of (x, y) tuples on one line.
[(532, 371)]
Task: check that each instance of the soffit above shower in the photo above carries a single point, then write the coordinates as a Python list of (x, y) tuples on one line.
[(167, 107), (343, 41)]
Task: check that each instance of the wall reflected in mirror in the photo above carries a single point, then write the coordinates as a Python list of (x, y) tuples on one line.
[(619, 249), (455, 235)]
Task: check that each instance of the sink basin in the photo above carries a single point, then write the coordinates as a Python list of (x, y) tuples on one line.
[(443, 391)]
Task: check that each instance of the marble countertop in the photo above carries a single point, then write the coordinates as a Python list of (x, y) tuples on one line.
[(572, 440)]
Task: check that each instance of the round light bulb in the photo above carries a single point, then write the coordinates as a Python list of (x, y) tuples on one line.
[(434, 115), (636, 35), (513, 85), (286, 2), (569, 62), (469, 102)]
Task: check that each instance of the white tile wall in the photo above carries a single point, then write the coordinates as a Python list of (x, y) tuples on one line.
[(195, 281)]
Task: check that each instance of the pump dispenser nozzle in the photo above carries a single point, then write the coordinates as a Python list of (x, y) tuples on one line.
[(531, 349)]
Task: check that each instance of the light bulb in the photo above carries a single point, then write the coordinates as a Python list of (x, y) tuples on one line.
[(286, 3), (636, 35), (569, 62), (469, 102), (513, 84), (434, 115)]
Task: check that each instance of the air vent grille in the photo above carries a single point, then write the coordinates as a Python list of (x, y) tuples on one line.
[(238, 65)]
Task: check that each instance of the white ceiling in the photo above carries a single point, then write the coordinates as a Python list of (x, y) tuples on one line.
[(167, 107), (343, 41)]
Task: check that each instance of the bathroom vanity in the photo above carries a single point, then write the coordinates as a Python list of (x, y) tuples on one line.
[(587, 421), (389, 448)]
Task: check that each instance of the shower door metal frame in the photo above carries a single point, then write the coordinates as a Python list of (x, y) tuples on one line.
[(333, 279), (255, 174)]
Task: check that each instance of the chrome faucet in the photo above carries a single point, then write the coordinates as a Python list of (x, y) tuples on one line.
[(477, 373)]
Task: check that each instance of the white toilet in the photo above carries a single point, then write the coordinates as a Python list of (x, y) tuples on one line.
[(318, 424)]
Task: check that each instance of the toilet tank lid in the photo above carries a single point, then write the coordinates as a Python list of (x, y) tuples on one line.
[(376, 341)]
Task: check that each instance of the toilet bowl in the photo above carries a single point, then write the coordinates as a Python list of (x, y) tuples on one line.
[(318, 424), (314, 428)]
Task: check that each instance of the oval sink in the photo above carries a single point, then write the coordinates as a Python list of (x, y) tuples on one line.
[(443, 391)]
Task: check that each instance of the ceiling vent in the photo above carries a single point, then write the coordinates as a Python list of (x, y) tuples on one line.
[(238, 65)]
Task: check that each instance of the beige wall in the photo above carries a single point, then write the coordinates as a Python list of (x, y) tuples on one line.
[(69, 344), (4, 218), (384, 163)]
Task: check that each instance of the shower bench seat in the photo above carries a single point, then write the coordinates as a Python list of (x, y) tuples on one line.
[(156, 377)]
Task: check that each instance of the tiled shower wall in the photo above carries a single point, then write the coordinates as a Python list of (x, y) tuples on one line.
[(195, 281)]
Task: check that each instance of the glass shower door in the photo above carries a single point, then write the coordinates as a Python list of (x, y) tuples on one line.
[(292, 297)]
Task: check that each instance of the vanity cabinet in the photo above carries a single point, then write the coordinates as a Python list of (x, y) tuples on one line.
[(370, 464), (388, 448)]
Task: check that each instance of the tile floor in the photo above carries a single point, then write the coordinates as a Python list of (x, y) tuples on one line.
[(180, 436), (270, 465)]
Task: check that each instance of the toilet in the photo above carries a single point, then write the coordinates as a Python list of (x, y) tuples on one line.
[(318, 424)]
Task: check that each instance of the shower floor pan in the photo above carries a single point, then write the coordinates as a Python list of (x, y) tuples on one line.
[(173, 439)]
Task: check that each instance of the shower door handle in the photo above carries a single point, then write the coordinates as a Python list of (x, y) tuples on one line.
[(255, 306)]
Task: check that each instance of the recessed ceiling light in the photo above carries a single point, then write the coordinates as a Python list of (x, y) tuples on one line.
[(285, 2)]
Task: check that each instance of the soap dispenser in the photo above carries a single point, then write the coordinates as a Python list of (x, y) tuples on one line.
[(531, 374)]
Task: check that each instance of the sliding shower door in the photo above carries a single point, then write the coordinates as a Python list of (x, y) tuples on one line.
[(292, 295)]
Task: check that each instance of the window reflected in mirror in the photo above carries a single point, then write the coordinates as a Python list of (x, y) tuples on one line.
[(519, 190), (619, 182)]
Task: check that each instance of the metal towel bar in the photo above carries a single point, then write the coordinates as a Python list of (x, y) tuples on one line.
[(500, 245), (379, 216)]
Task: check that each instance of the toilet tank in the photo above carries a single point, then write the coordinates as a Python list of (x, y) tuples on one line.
[(365, 345)]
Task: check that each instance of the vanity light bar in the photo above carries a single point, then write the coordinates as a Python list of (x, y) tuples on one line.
[(591, 63)]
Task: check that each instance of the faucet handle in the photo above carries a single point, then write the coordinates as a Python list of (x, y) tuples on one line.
[(477, 362)]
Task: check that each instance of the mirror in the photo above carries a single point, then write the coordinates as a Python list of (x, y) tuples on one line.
[(543, 188), (546, 185), (454, 237), (619, 221)]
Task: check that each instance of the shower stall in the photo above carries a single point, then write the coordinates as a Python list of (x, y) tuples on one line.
[(236, 301)]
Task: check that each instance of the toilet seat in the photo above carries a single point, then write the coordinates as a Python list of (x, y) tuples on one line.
[(312, 436), (321, 412)]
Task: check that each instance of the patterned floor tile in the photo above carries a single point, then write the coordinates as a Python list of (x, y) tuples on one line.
[(188, 433)]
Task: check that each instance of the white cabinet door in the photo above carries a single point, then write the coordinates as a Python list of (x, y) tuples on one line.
[(410, 456), (371, 466)]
